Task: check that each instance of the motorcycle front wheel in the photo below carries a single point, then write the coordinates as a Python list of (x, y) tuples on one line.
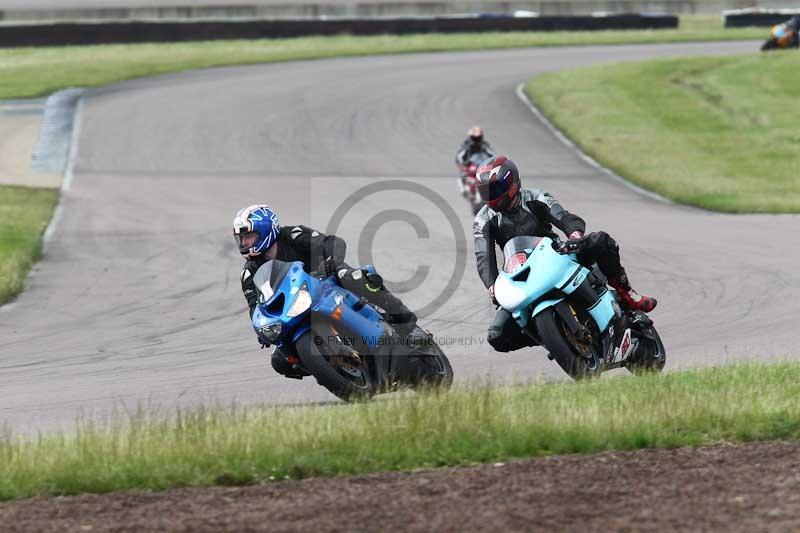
[(769, 45), (335, 367), (552, 333)]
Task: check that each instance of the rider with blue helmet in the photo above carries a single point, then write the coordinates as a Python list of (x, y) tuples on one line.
[(260, 238)]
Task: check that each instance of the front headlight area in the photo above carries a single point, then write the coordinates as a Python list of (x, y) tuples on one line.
[(270, 332), (509, 294), (301, 302)]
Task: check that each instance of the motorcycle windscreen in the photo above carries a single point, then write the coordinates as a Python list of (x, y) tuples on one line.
[(478, 158), (269, 276), (261, 280), (516, 252)]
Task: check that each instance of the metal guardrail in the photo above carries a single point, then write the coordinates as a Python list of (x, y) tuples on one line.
[(155, 31)]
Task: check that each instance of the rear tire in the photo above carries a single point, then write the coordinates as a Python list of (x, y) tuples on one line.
[(549, 326), (650, 356), (434, 367), (314, 357)]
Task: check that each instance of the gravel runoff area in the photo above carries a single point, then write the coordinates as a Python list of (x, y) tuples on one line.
[(748, 487)]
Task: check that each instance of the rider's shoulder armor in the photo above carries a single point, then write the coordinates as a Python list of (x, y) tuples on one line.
[(521, 221)]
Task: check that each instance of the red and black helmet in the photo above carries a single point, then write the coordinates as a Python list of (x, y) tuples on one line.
[(498, 182)]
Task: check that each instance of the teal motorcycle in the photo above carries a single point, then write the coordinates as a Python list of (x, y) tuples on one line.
[(571, 311)]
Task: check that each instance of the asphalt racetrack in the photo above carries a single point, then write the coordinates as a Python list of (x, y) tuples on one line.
[(137, 300)]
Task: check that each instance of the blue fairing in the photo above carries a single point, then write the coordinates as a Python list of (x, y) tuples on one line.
[(540, 282), (324, 298)]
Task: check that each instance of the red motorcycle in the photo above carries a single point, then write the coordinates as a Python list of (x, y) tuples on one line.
[(468, 182)]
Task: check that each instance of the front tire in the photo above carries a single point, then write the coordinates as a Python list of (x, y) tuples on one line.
[(550, 328), (317, 357)]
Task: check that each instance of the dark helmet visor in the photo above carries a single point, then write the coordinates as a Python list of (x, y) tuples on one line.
[(494, 189)]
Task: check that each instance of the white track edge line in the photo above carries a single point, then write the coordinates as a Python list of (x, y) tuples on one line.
[(73, 146), (66, 183), (520, 90), (69, 174)]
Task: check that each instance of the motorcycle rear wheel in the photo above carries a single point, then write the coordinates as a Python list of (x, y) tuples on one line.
[(650, 356), (316, 353), (434, 367), (550, 328)]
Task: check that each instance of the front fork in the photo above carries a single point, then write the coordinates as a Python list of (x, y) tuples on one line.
[(604, 310)]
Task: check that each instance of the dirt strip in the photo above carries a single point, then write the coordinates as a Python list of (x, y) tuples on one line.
[(751, 487), (20, 121)]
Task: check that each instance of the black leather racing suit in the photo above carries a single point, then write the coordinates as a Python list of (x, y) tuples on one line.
[(492, 228), (300, 243), (469, 148), (794, 23)]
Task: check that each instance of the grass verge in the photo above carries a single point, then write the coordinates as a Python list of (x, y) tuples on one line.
[(30, 72), (718, 133), (468, 425), (24, 214)]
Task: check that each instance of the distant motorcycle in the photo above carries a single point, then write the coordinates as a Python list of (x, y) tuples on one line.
[(468, 181), (535, 287), (340, 339), (783, 35)]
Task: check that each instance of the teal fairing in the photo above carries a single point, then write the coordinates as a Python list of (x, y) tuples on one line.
[(536, 277)]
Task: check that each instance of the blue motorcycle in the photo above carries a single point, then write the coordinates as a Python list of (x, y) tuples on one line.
[(571, 311), (342, 340)]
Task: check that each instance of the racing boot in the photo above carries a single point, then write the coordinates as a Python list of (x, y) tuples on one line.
[(633, 300), (462, 187)]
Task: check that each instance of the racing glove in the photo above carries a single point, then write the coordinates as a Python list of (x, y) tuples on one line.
[(574, 245), (328, 267), (491, 296)]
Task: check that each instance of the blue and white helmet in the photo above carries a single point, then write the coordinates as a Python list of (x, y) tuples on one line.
[(255, 229)]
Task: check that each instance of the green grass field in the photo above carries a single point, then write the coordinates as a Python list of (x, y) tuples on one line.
[(29, 72), (24, 214), (468, 425), (720, 133)]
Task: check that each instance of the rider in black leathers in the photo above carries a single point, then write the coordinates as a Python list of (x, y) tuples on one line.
[(511, 211), (320, 254), (475, 143), (794, 23)]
